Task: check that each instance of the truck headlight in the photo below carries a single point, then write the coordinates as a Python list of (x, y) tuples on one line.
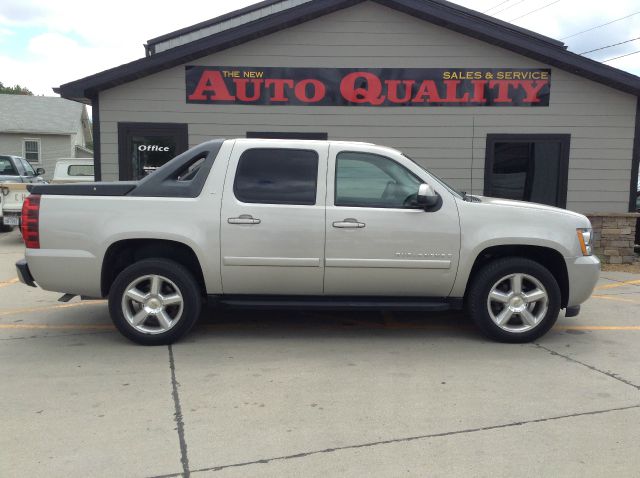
[(585, 238)]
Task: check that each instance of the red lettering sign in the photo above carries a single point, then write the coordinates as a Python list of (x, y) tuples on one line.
[(368, 86)]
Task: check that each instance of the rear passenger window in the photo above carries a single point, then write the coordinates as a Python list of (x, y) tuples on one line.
[(80, 170), (277, 176), (191, 169)]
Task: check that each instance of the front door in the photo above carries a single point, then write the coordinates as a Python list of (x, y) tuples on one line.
[(377, 243), (144, 147), (272, 219)]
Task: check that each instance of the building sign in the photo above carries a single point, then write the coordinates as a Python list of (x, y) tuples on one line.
[(368, 87)]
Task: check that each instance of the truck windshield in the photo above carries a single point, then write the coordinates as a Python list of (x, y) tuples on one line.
[(28, 168), (455, 192)]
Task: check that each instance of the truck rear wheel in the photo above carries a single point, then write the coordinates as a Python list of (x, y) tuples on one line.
[(155, 302), (514, 300)]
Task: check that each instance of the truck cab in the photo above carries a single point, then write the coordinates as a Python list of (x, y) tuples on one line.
[(14, 169)]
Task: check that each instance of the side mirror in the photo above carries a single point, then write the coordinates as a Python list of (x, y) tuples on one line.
[(40, 171), (427, 197)]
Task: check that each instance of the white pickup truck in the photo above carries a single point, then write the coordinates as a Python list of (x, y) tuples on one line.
[(13, 195), (13, 190), (327, 224), (15, 173)]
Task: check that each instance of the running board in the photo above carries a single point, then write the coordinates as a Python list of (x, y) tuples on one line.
[(338, 303)]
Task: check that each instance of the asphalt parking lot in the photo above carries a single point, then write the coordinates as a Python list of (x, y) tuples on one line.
[(306, 394)]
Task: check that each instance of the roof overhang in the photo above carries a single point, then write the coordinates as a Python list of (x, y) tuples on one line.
[(438, 12)]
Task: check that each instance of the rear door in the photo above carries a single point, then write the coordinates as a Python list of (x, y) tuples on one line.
[(272, 221), (377, 243)]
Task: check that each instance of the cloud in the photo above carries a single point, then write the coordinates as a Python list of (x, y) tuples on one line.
[(53, 59), (20, 12), (46, 44), (81, 39), (4, 33)]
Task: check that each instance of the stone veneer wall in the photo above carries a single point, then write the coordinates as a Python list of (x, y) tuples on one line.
[(614, 236)]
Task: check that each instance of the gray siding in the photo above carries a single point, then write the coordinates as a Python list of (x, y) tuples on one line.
[(52, 148), (450, 141)]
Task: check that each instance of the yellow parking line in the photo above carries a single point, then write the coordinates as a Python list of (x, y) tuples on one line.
[(597, 327), (50, 307), (618, 284), (8, 282), (57, 326), (239, 326), (616, 298)]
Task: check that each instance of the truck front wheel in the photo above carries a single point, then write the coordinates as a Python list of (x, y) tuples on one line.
[(514, 300), (155, 302)]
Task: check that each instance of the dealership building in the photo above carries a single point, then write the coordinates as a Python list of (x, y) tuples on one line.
[(490, 107)]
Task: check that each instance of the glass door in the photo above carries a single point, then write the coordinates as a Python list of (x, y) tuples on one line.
[(144, 147)]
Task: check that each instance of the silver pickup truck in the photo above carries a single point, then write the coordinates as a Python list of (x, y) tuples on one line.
[(325, 224)]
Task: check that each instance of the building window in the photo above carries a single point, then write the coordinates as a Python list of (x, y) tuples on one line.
[(528, 167), (277, 176), (287, 135), (31, 150)]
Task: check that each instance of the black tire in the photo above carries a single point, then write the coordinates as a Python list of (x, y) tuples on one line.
[(4, 228), (178, 281), (484, 281)]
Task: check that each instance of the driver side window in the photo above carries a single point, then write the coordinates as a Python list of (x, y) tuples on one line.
[(371, 180)]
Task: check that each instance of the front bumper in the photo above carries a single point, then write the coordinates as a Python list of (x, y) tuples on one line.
[(584, 273), (24, 274)]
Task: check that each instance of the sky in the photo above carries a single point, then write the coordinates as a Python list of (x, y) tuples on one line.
[(45, 44)]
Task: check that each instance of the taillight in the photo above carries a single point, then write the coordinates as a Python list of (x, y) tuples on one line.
[(30, 221)]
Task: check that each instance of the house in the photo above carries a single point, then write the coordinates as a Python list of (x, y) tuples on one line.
[(43, 129)]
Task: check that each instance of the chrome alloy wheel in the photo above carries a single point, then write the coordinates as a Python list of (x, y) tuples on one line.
[(152, 304), (517, 303)]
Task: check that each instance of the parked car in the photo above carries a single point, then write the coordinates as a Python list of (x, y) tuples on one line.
[(15, 169), (73, 171), (283, 223), (13, 195)]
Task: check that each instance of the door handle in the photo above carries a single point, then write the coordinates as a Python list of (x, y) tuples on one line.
[(243, 219), (349, 223)]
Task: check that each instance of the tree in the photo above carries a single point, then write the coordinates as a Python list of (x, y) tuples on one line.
[(15, 90)]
